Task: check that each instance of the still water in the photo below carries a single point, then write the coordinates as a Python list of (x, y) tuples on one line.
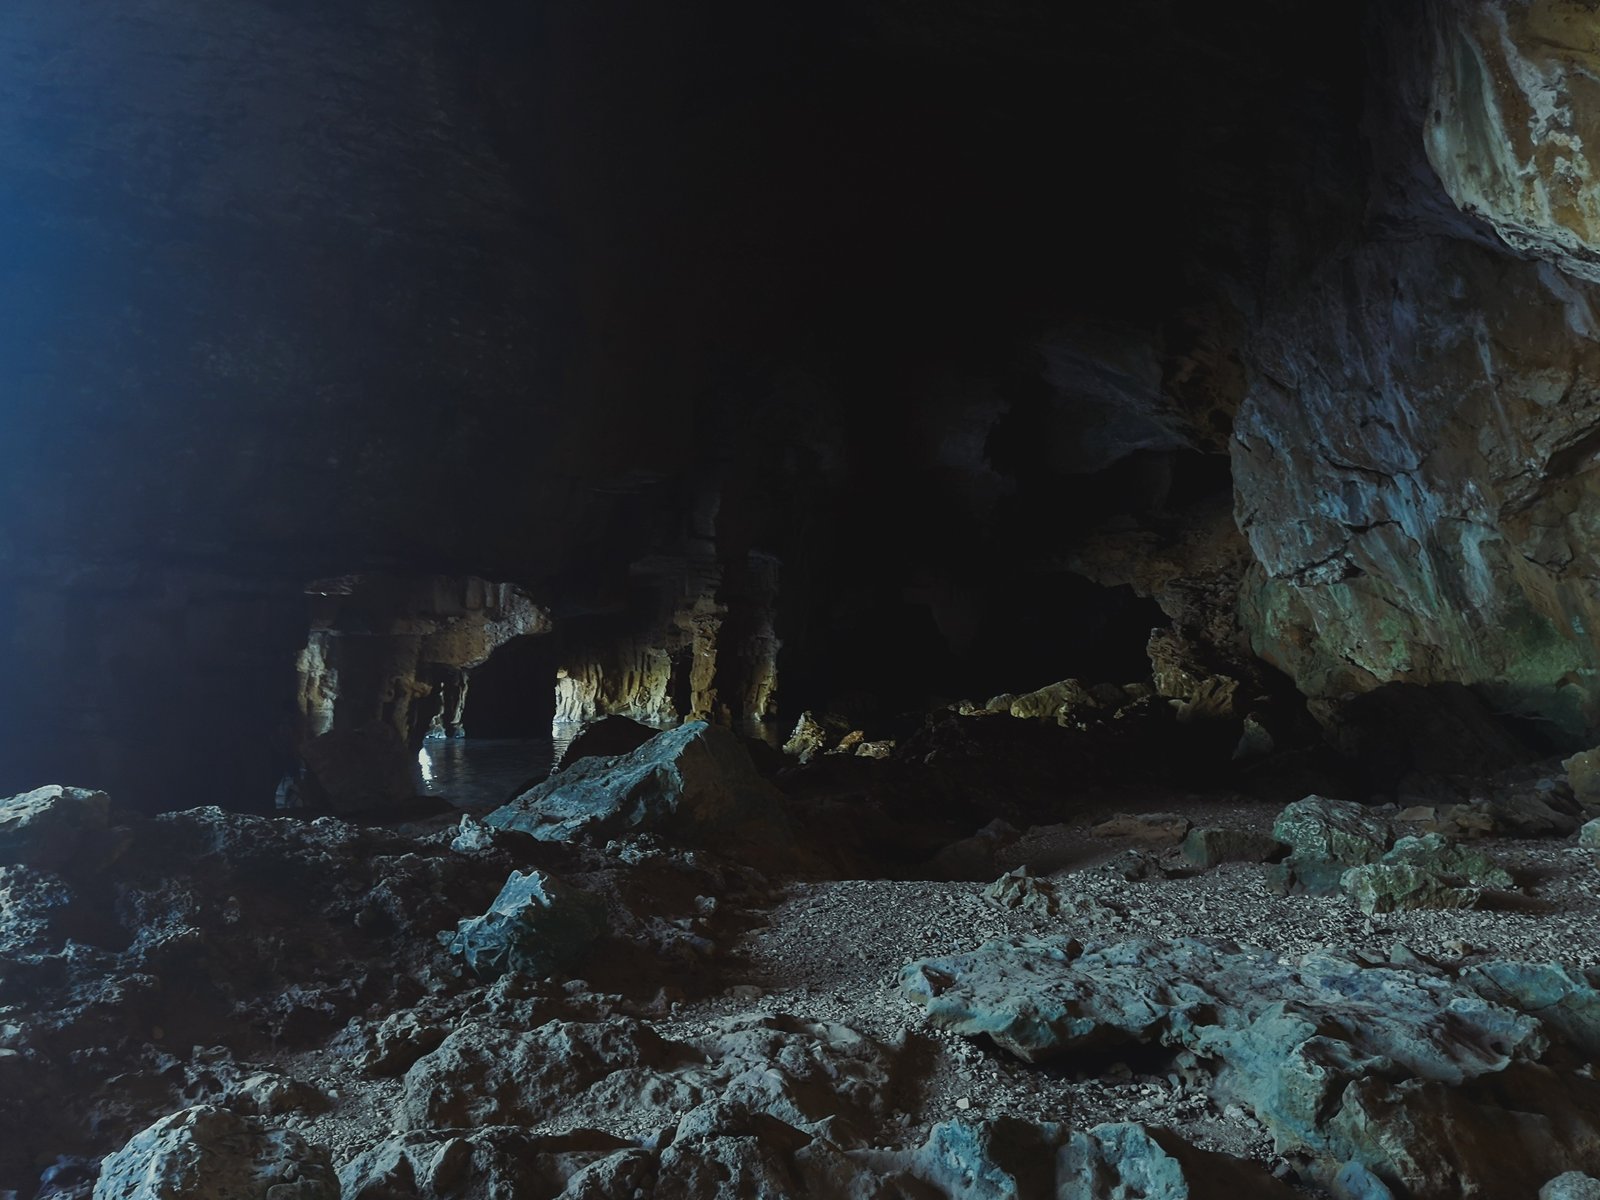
[(486, 772)]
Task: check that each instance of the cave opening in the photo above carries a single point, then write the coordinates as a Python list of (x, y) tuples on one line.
[(512, 695)]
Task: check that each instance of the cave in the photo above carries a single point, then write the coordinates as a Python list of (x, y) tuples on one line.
[(958, 600)]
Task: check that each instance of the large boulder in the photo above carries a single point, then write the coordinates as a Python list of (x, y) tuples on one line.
[(1425, 872), (52, 827), (536, 925), (206, 1153), (1326, 838), (366, 770), (695, 784)]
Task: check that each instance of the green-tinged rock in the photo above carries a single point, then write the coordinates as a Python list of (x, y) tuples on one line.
[(1589, 835), (1010, 1158), (1424, 872), (1583, 775), (1382, 888), (1565, 999), (537, 925), (1325, 838), (1204, 849)]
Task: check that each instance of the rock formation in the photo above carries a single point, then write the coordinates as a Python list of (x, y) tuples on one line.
[(1066, 525)]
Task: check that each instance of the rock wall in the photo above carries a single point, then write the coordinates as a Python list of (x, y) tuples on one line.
[(1414, 457)]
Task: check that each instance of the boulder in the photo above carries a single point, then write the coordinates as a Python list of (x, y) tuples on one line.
[(810, 1075), (609, 736), (1058, 700), (476, 1164), (1589, 835), (1010, 1157), (1204, 849), (1583, 776), (1574, 1185), (695, 783), (1424, 872), (52, 827), (1326, 837), (537, 925), (1158, 828), (350, 771), (206, 1153)]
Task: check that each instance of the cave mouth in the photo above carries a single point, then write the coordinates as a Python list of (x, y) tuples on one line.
[(502, 744), (512, 695)]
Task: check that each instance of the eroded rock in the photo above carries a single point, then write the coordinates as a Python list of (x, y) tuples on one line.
[(1325, 838), (695, 782), (206, 1153), (1424, 872), (537, 925), (1402, 1070)]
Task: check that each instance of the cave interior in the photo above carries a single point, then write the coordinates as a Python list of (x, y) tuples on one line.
[(912, 601)]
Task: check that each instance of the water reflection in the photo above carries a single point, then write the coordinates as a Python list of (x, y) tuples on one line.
[(483, 772)]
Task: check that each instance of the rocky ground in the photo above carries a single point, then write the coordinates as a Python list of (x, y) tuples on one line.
[(659, 976)]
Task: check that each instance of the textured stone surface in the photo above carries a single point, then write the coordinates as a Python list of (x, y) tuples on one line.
[(695, 782), (51, 826), (537, 925), (802, 1073), (1515, 129), (1325, 837), (1398, 1069), (205, 1153), (1424, 872), (1210, 847)]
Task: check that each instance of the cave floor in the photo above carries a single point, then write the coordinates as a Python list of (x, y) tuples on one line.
[(832, 950)]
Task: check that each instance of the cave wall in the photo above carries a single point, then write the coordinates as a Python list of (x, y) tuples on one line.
[(1414, 457), (767, 351)]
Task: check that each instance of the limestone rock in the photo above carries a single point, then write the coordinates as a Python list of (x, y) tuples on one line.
[(1424, 872), (489, 1076), (1204, 849), (1514, 132), (1129, 1159), (479, 1164), (1325, 838), (1574, 1185), (695, 782), (537, 925), (1158, 828), (1020, 889), (205, 1153), (1060, 700), (51, 826), (806, 1074), (808, 739), (1010, 1157), (1401, 1069)]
